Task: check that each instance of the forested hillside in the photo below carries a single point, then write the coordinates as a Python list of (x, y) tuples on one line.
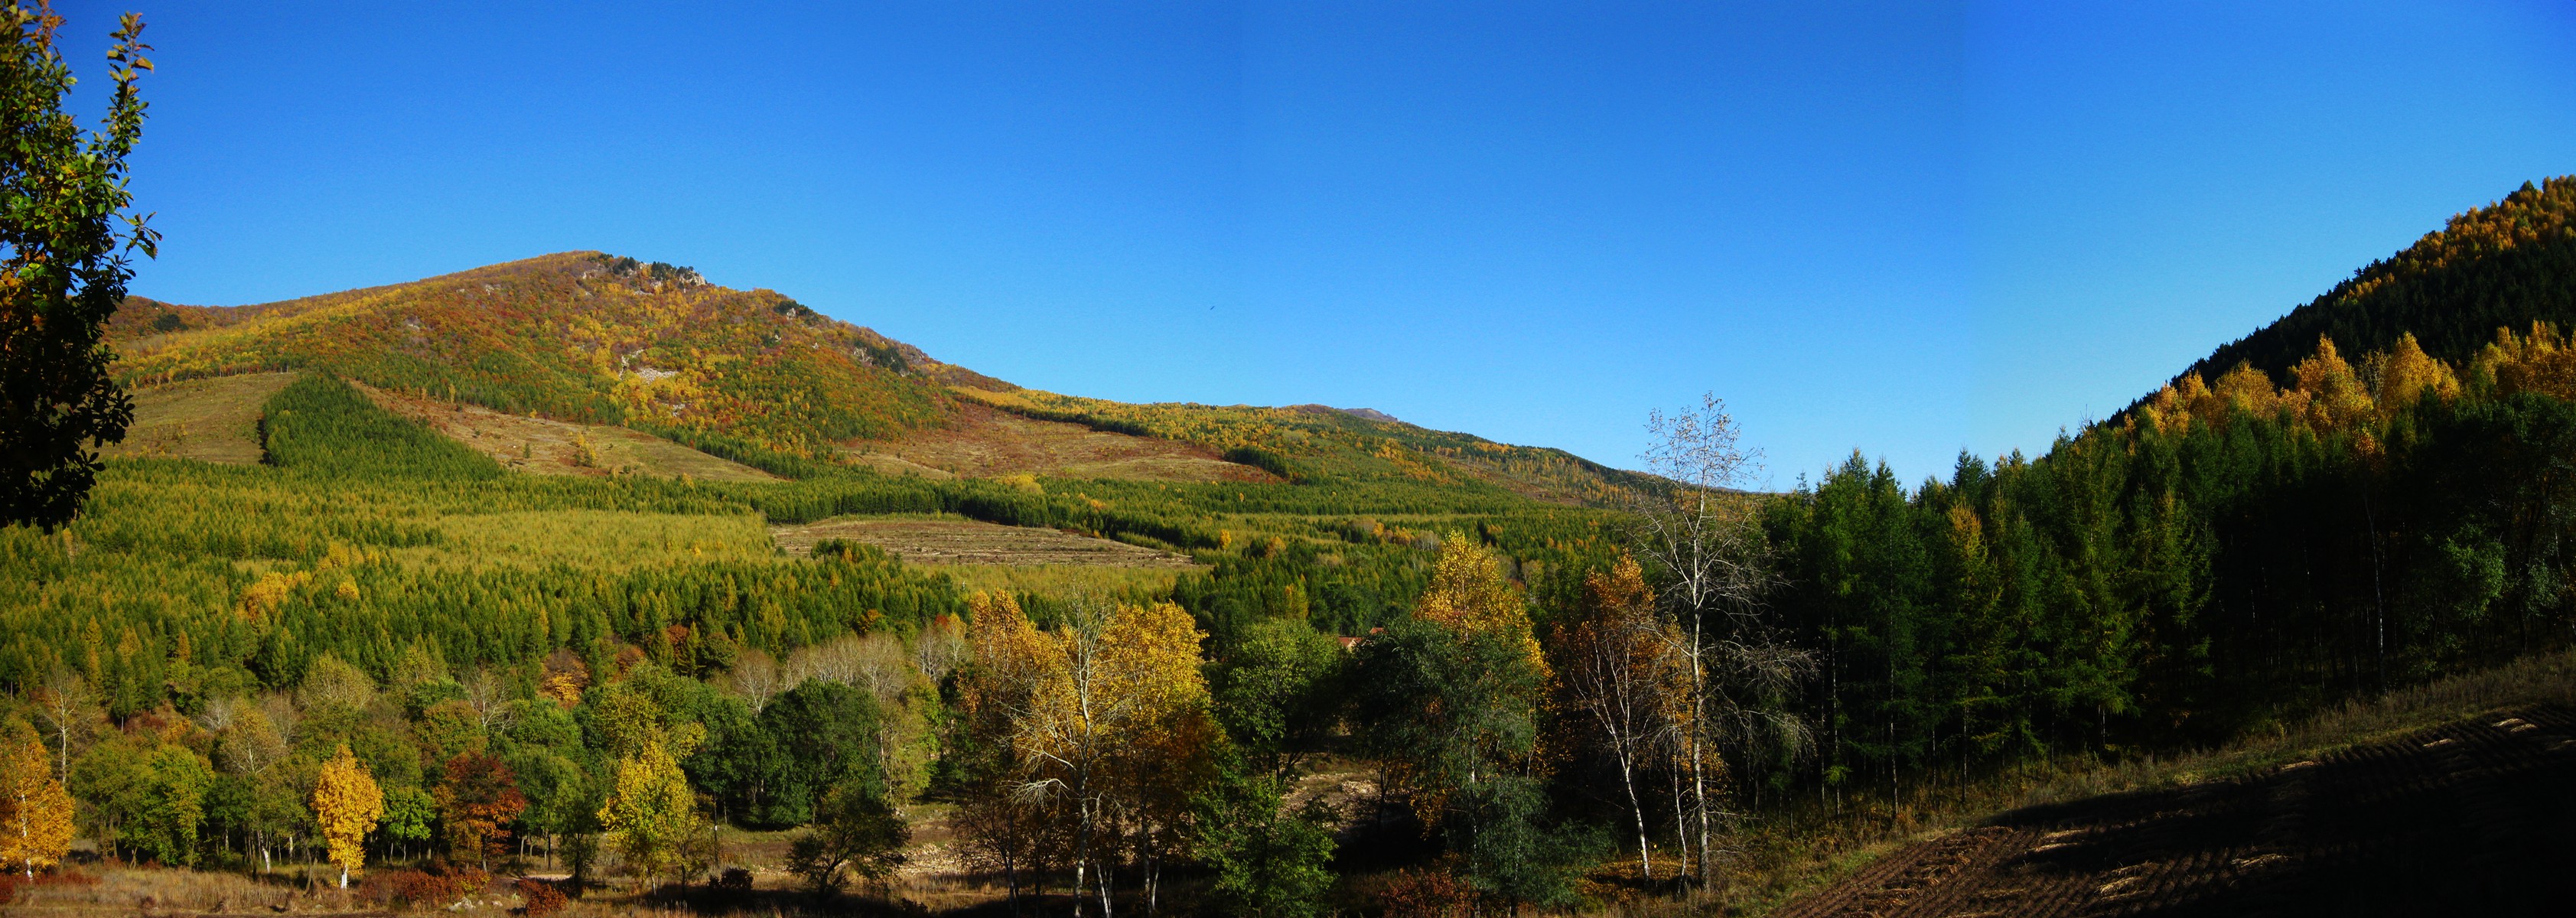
[(2505, 265), (577, 336), (752, 376), (2375, 491)]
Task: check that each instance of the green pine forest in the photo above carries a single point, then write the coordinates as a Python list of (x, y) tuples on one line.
[(2377, 490)]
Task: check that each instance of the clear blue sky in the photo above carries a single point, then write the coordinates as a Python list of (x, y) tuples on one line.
[(1906, 228)]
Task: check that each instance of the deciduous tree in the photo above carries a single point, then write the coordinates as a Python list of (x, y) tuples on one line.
[(35, 811), (478, 796), (63, 266), (650, 813), (1618, 672), (346, 805), (1703, 540)]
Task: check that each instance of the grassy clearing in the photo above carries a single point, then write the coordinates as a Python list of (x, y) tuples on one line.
[(967, 542), (1062, 580), (213, 420), (542, 446), (984, 443), (587, 539), (1814, 844)]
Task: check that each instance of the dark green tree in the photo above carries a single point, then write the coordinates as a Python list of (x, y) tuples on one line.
[(63, 266), (1278, 692), (854, 832), (825, 736), (1269, 864)]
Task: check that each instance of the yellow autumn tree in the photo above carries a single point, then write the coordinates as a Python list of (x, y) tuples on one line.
[(1620, 676), (650, 813), (346, 804), (1107, 714), (1470, 594), (2337, 399), (2406, 375), (2541, 362), (35, 812)]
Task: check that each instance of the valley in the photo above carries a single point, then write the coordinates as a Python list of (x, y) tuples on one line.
[(596, 524)]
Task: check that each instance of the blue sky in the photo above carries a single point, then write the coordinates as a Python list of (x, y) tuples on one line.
[(1907, 228)]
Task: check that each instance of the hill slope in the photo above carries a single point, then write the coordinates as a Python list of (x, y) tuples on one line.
[(577, 336), (589, 338), (2505, 265)]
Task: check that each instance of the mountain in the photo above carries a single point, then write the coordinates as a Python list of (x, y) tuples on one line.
[(575, 342), (2505, 265)]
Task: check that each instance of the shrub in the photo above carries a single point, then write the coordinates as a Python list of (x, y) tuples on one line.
[(542, 898), (438, 885)]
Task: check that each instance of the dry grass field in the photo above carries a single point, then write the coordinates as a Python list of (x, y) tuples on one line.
[(986, 442), (590, 539), (968, 542), (215, 420), (548, 447)]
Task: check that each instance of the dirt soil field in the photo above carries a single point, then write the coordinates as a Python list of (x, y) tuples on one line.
[(970, 542), (2472, 818), (216, 420), (988, 442), (548, 447)]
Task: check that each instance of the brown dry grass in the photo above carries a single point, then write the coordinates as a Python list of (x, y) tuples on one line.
[(957, 541), (215, 420), (985, 442), (307, 890), (544, 446), (1804, 851)]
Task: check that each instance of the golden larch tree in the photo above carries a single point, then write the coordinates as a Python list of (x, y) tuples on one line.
[(347, 804), (2337, 399)]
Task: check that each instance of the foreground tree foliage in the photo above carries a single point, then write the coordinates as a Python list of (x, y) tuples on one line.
[(1100, 733), (1451, 700), (64, 235)]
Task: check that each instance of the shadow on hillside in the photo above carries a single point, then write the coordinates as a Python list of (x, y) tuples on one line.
[(2472, 818)]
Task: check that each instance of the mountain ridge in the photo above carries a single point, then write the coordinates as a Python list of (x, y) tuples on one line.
[(592, 338)]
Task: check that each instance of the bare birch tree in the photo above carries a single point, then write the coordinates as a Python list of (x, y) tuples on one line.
[(757, 678), (70, 711), (1702, 535), (1616, 665)]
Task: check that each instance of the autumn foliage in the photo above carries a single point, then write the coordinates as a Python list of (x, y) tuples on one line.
[(35, 811), (346, 805)]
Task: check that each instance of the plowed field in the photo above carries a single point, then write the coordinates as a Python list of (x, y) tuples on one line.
[(971, 542), (2474, 818)]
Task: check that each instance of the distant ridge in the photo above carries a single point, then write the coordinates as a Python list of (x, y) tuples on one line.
[(2504, 265), (592, 338)]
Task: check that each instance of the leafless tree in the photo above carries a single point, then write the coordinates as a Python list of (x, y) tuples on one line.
[(757, 678), (1702, 536), (940, 648), (70, 711), (489, 696)]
